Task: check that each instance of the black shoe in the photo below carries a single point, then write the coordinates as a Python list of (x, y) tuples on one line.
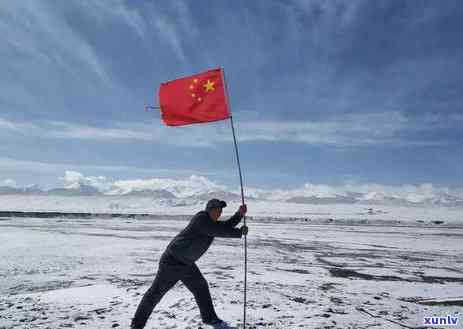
[(214, 322)]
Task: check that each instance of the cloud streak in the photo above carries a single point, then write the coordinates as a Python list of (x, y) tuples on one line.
[(33, 29), (354, 130)]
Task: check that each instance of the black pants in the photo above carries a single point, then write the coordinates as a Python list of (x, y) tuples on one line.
[(170, 271)]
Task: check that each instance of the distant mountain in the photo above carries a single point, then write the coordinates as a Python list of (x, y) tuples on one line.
[(374, 198), (80, 190), (385, 200), (29, 190), (222, 195), (33, 190), (182, 194), (10, 190), (321, 200), (439, 199), (447, 199), (156, 194)]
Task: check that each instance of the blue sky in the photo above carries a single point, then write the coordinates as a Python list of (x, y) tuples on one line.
[(327, 92)]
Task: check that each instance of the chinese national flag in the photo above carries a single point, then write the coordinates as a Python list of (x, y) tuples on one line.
[(194, 99)]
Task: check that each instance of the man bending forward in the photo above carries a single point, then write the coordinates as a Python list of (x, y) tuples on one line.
[(178, 261)]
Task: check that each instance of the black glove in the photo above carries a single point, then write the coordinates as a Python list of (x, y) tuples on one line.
[(244, 230)]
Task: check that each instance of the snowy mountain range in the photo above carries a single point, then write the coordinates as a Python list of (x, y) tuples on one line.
[(197, 189)]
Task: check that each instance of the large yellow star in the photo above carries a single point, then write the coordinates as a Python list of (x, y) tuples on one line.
[(209, 86)]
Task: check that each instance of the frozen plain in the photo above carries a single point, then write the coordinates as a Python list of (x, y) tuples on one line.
[(302, 273)]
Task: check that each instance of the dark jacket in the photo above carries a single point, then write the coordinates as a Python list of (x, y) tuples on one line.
[(194, 240)]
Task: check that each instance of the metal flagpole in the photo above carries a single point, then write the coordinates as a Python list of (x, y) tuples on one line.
[(244, 222), (242, 202)]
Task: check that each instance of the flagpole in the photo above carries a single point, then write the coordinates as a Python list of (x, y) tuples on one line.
[(242, 202)]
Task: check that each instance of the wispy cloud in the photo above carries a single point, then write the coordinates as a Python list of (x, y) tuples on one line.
[(348, 130), (138, 132), (172, 22), (176, 27), (14, 126), (353, 130), (172, 37), (26, 172), (118, 11), (34, 30), (82, 132), (154, 133)]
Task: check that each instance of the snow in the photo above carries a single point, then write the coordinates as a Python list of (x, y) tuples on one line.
[(347, 213), (92, 272)]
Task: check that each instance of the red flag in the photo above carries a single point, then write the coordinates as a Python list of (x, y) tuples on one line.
[(194, 99)]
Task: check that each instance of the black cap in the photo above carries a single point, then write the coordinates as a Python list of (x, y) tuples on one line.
[(215, 203)]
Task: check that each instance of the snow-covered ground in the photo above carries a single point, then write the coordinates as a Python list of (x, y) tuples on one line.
[(356, 212), (91, 273)]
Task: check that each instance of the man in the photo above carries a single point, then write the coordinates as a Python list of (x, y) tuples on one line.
[(178, 261)]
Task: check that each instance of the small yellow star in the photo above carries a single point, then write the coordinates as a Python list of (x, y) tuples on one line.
[(195, 81), (199, 99), (192, 87), (209, 86), (193, 95)]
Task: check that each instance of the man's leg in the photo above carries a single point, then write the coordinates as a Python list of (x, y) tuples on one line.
[(168, 274), (197, 284)]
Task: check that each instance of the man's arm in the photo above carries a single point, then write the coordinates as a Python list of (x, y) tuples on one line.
[(236, 218), (232, 221), (208, 227)]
